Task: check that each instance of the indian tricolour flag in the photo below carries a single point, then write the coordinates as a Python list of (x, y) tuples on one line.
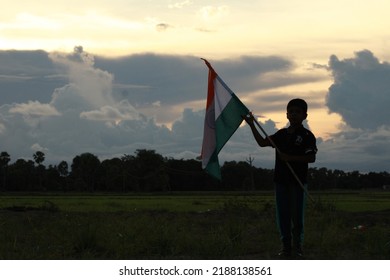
[(224, 113)]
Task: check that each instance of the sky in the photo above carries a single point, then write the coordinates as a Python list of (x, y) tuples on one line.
[(111, 77)]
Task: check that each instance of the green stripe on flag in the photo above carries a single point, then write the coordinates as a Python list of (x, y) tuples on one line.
[(229, 121), (212, 166)]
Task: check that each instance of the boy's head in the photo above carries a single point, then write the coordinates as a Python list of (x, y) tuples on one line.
[(297, 102), (296, 111)]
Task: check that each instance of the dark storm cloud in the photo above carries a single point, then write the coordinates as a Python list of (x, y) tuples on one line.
[(360, 92), (178, 79), (152, 78), (30, 63), (249, 73), (27, 75)]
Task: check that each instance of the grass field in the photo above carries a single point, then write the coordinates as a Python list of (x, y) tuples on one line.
[(339, 225)]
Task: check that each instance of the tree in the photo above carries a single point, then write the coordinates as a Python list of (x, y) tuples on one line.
[(4, 160), (84, 171), (129, 180), (63, 168), (52, 178), (151, 171), (20, 175), (63, 171), (111, 175), (236, 175), (250, 161), (187, 175), (337, 177), (264, 179), (39, 158)]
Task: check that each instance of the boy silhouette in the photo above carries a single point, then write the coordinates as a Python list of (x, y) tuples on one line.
[(297, 146)]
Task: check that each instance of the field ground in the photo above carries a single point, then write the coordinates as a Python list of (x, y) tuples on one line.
[(339, 225)]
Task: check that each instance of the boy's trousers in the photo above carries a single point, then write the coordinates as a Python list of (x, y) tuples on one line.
[(290, 204)]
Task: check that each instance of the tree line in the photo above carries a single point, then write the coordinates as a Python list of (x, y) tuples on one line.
[(148, 171)]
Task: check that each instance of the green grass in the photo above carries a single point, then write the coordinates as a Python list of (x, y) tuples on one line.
[(114, 203), (363, 201), (189, 226), (195, 202)]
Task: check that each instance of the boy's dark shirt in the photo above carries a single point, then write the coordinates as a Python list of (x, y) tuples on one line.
[(300, 142)]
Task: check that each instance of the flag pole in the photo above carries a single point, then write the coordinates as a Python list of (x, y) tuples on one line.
[(287, 163)]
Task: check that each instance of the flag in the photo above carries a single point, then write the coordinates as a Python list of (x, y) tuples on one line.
[(223, 116)]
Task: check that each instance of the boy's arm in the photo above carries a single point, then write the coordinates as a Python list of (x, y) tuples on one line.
[(263, 142)]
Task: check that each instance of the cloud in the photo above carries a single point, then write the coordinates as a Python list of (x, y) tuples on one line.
[(112, 114), (36, 147), (189, 126), (214, 12), (357, 149), (93, 84), (166, 78), (178, 79), (34, 108), (2, 128), (360, 92), (27, 75), (162, 27), (180, 5), (247, 74), (205, 30), (85, 115)]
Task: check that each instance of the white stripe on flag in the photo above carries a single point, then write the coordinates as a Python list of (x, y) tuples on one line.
[(221, 98)]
